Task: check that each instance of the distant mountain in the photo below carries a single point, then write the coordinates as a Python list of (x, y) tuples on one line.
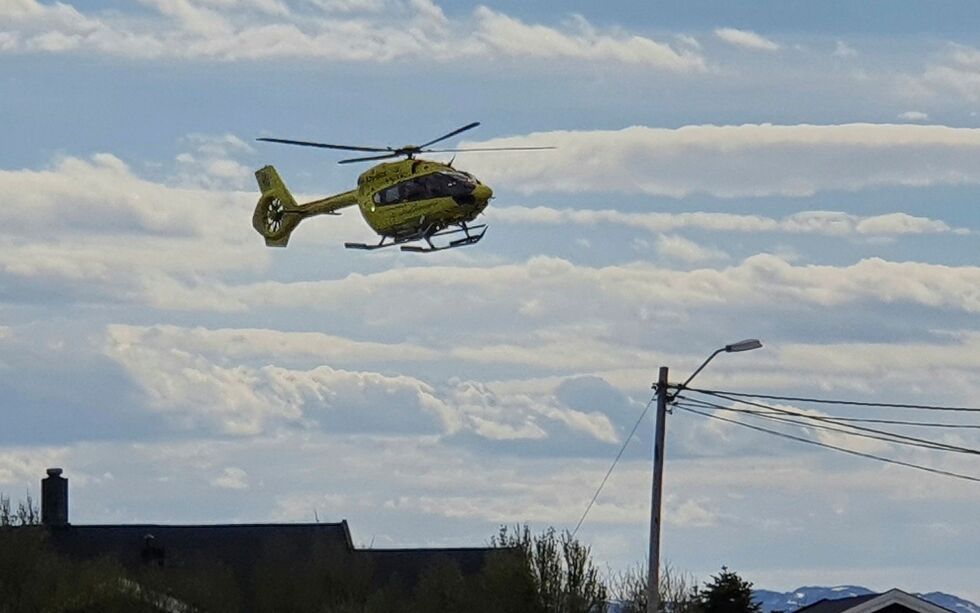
[(800, 597), (951, 602)]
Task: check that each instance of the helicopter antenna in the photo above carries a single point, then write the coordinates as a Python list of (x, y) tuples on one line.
[(409, 151)]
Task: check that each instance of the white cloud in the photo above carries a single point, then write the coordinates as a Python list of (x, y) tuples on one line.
[(96, 228), (270, 7), (901, 223), (172, 247), (55, 42), (828, 223), (197, 20), (20, 12), (197, 386), (735, 161), (108, 197), (244, 400), (816, 428), (232, 478), (507, 35), (561, 287), (746, 39), (25, 467), (9, 41), (877, 360), (958, 73), (914, 116), (251, 343), (212, 165), (59, 27), (680, 248), (350, 6), (545, 349), (690, 513), (342, 30), (842, 49), (689, 40)]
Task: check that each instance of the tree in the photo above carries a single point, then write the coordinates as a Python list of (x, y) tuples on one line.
[(728, 593), (35, 578), (546, 573), (563, 577), (678, 591), (27, 513)]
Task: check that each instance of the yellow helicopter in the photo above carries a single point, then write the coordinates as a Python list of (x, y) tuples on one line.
[(405, 201)]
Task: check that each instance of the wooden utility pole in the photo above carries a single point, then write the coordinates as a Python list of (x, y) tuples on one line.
[(653, 581)]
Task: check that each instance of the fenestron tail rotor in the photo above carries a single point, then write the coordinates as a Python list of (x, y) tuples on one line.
[(408, 151)]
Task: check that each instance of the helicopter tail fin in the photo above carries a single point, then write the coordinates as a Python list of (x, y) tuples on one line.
[(276, 213)]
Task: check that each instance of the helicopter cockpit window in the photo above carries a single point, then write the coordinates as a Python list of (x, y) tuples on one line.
[(436, 185), (450, 184)]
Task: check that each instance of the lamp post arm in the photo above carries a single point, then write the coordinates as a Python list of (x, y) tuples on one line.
[(681, 387)]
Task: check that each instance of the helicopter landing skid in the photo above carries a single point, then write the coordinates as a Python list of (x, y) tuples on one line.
[(469, 239)]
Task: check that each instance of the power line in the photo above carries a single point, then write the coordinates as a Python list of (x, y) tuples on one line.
[(900, 422), (777, 417), (905, 422), (615, 461), (869, 420), (879, 435), (834, 447), (901, 438), (856, 403)]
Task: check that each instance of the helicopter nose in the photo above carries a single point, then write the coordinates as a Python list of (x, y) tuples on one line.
[(482, 193)]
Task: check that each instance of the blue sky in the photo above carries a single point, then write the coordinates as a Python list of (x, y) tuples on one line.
[(804, 173)]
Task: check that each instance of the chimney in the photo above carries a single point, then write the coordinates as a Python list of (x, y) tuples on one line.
[(54, 499)]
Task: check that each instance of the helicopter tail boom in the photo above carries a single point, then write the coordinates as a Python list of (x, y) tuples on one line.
[(277, 214)]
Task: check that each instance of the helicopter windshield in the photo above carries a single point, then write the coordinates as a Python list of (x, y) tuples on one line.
[(436, 185)]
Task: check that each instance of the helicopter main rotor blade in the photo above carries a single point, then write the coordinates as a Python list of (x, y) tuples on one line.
[(453, 133), (487, 149), (369, 159), (322, 145)]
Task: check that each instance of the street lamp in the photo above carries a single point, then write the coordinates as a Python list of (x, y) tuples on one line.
[(663, 397)]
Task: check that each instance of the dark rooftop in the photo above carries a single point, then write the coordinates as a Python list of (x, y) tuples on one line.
[(837, 605), (250, 552), (241, 546), (234, 545)]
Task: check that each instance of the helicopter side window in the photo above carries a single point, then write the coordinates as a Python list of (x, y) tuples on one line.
[(406, 191), (413, 190), (386, 196)]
